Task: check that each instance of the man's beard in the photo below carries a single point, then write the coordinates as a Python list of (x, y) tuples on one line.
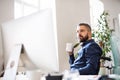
[(84, 39)]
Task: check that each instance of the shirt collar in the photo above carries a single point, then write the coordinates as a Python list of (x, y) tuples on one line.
[(86, 42)]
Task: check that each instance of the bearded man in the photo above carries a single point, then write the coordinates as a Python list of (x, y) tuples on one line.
[(88, 60)]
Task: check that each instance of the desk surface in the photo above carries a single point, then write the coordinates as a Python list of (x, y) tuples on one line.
[(80, 77), (89, 77)]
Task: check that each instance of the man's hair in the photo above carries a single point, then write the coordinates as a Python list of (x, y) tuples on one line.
[(86, 25)]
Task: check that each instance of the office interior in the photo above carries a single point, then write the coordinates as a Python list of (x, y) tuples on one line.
[(67, 14)]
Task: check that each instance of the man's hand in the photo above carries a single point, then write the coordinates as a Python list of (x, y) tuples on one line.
[(70, 52)]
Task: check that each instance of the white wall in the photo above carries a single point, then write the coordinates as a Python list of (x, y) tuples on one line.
[(113, 8), (69, 13), (6, 13), (6, 10)]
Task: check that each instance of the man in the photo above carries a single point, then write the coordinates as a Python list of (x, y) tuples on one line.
[(88, 60)]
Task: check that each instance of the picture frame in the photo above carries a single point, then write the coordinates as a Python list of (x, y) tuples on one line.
[(115, 24)]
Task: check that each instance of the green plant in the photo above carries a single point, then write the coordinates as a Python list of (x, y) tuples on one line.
[(103, 33), (75, 46)]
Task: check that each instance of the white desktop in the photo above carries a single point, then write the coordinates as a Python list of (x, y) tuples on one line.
[(36, 33)]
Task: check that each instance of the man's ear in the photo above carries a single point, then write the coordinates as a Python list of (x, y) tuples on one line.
[(90, 34)]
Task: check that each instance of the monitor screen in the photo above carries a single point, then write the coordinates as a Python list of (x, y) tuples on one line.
[(36, 33)]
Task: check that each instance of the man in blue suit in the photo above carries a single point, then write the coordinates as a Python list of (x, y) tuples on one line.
[(88, 60)]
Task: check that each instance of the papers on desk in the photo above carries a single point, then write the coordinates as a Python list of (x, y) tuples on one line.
[(89, 77), (84, 77), (67, 75)]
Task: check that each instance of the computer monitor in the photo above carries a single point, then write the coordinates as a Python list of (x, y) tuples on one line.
[(36, 33)]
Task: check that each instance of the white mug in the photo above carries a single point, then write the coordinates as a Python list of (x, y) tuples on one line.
[(69, 47)]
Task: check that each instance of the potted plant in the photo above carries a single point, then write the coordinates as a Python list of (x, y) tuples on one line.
[(102, 35)]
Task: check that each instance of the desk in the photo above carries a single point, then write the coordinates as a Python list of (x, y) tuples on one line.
[(85, 77), (68, 77), (80, 77), (88, 77)]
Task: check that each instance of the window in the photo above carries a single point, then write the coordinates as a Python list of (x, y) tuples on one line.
[(96, 9), (26, 7)]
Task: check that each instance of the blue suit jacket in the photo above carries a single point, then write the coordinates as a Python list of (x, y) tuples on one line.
[(88, 60)]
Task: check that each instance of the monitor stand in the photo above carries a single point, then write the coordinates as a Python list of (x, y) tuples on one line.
[(12, 65)]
